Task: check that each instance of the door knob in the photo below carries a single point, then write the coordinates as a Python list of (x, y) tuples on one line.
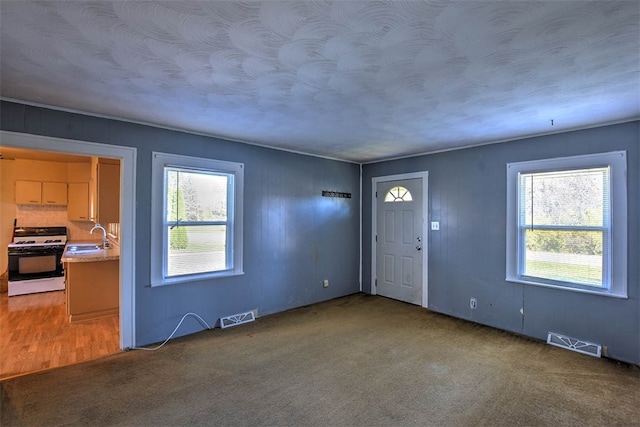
[(419, 247), (418, 239)]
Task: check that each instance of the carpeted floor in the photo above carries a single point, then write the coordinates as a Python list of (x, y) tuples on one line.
[(359, 360)]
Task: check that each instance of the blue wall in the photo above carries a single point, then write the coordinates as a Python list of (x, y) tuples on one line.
[(467, 194), (293, 237)]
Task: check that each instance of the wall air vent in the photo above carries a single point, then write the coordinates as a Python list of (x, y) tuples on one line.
[(237, 319), (574, 344)]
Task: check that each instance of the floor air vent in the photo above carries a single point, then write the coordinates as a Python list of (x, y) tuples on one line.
[(237, 319), (574, 344)]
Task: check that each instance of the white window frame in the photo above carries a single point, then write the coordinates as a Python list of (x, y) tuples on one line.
[(159, 239), (617, 260)]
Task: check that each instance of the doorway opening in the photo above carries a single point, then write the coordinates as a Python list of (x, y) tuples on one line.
[(126, 228)]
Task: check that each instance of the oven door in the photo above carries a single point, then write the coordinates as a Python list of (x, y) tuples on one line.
[(35, 263)]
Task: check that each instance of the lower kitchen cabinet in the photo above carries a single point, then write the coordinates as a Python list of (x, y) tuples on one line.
[(92, 289)]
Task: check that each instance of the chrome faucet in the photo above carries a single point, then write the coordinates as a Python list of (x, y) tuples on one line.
[(105, 241)]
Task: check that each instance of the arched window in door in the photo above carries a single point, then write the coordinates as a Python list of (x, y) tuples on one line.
[(398, 194)]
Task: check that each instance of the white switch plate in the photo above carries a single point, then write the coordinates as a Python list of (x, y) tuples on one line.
[(325, 283), (435, 225)]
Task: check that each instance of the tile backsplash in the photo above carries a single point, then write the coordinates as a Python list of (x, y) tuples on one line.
[(54, 216)]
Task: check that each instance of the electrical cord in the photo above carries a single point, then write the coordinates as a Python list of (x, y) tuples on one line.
[(202, 322)]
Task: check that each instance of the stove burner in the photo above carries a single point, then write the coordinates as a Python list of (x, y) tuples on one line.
[(25, 242), (52, 241)]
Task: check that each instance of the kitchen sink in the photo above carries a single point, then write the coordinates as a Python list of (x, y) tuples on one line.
[(85, 247)]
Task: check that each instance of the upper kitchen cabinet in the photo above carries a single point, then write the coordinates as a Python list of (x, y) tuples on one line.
[(54, 193), (40, 182), (28, 192), (41, 193), (104, 191), (78, 207), (79, 177)]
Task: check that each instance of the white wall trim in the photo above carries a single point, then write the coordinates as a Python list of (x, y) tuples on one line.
[(127, 155), (424, 175), (361, 230)]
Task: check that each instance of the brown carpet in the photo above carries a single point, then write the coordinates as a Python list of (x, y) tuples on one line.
[(358, 360)]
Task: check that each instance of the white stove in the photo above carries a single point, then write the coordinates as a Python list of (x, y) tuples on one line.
[(35, 260), (35, 241)]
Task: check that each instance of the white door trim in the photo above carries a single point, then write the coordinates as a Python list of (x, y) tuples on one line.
[(127, 155), (424, 175)]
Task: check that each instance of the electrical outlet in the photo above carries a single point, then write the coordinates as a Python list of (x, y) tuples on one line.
[(435, 225), (325, 283), (473, 303)]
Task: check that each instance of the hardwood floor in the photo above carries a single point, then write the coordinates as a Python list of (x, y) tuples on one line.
[(35, 334)]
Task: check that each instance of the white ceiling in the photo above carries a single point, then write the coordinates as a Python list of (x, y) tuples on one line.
[(355, 80)]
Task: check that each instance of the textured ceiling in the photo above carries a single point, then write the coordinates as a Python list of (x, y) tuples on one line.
[(356, 80)]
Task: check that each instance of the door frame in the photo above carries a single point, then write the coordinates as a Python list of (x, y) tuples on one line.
[(127, 156), (424, 175)]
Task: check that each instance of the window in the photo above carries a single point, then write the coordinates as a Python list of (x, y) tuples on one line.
[(567, 223), (398, 194), (196, 219)]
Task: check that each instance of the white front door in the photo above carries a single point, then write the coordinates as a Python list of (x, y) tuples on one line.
[(399, 240)]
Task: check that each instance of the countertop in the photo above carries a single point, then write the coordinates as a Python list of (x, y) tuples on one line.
[(113, 253)]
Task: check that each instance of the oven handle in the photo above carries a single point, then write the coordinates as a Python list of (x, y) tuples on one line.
[(36, 253)]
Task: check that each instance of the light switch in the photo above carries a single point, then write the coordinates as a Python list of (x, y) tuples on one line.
[(435, 225)]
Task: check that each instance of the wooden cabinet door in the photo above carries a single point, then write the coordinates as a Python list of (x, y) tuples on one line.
[(108, 193), (54, 193), (93, 289), (78, 206), (28, 192)]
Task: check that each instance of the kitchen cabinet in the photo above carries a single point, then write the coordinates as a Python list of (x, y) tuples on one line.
[(79, 172), (54, 193), (78, 205), (92, 289), (28, 192), (41, 193), (104, 191)]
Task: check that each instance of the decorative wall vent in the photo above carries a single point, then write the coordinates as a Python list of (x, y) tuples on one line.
[(574, 344), (237, 319)]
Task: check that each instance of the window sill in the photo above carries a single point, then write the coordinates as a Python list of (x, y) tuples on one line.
[(195, 278), (566, 288)]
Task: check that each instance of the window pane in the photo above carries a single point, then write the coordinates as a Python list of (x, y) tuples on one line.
[(196, 219), (196, 249), (577, 197), (196, 196), (398, 194), (567, 223), (565, 255)]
